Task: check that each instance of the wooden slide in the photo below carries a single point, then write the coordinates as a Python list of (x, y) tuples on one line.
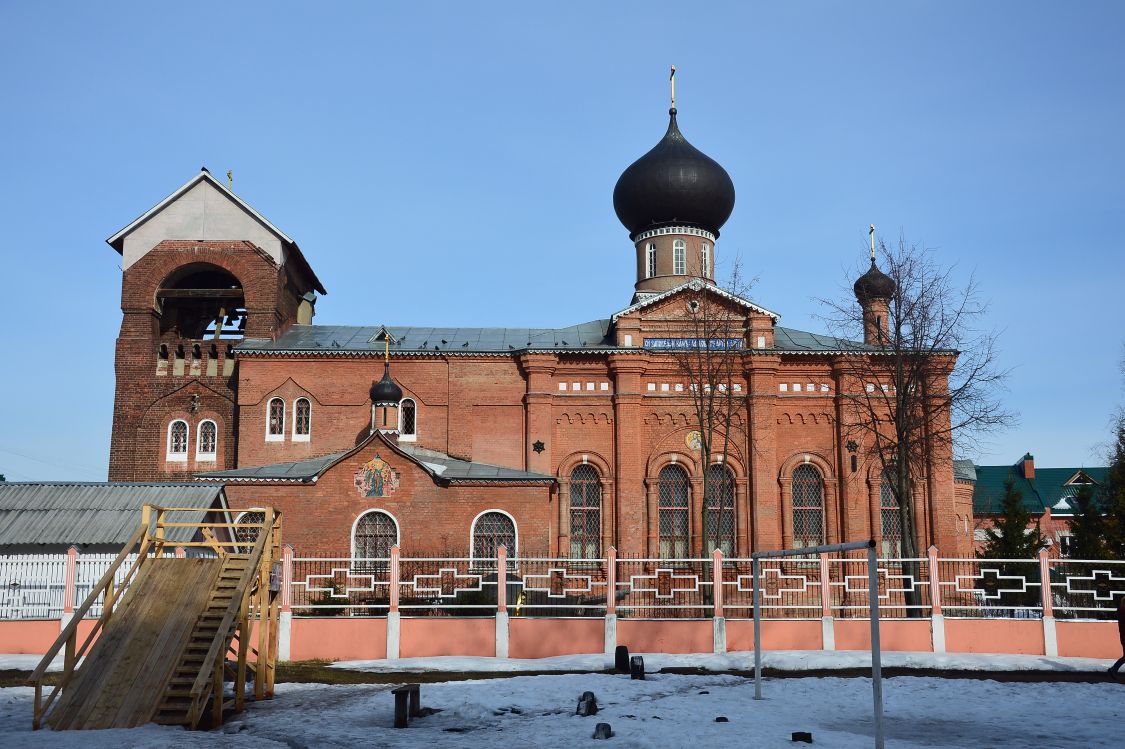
[(161, 653)]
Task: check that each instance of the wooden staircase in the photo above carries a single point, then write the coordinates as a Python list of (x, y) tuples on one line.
[(177, 703)]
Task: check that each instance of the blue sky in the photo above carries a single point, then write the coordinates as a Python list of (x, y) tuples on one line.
[(453, 163)]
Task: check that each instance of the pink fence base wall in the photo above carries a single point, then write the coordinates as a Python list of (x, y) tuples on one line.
[(894, 634), (1018, 636), (794, 634), (447, 635), (338, 639), (1088, 639), (665, 636), (543, 638), (34, 636)]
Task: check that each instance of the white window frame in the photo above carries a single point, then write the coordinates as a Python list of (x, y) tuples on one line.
[(512, 553), (705, 256), (280, 436), (200, 455), (301, 437), (170, 456), (650, 260), (403, 436), (381, 511), (679, 257)]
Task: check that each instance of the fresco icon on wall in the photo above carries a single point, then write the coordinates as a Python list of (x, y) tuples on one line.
[(376, 479), (694, 440)]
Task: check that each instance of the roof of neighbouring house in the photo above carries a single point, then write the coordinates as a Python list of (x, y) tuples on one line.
[(84, 514), (1051, 488)]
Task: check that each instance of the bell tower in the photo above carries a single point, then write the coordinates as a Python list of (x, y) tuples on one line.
[(202, 271)]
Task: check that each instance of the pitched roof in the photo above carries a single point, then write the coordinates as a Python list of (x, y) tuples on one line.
[(695, 285), (1051, 488), (442, 468), (117, 241), (964, 470), (93, 513)]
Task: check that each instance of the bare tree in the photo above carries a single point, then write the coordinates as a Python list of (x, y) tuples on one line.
[(709, 363), (926, 380)]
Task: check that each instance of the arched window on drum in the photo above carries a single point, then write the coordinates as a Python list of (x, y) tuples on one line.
[(808, 507), (585, 512), (673, 512), (720, 515)]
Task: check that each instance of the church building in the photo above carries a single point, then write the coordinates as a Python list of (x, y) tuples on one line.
[(454, 440)]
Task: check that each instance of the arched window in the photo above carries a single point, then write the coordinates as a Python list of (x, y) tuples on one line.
[(275, 420), (374, 535), (721, 520), (491, 530), (585, 512), (248, 536), (890, 516), (302, 420), (705, 257), (679, 257), (177, 440), (407, 419), (207, 440), (650, 259), (808, 507), (673, 512)]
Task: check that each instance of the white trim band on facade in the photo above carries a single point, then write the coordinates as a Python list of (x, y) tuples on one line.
[(665, 230)]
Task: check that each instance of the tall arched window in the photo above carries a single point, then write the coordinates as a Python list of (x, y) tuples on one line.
[(673, 512), (302, 420), (275, 419), (705, 257), (248, 536), (490, 531), (178, 440), (679, 257), (407, 419), (585, 512), (374, 535), (890, 517), (650, 259), (808, 506), (207, 440), (721, 521)]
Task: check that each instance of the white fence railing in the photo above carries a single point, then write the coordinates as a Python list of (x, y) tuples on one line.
[(36, 586)]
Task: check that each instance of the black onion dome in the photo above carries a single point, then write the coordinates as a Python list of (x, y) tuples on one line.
[(385, 392), (674, 183), (874, 284)]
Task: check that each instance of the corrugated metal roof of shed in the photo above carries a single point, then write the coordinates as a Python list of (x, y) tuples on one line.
[(92, 513)]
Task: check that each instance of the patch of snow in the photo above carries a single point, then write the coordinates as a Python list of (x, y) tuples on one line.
[(25, 662)]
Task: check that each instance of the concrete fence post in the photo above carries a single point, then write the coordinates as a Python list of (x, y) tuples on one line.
[(611, 600), (718, 618), (285, 617), (70, 586), (1050, 636), (937, 619), (394, 621), (502, 601), (827, 623)]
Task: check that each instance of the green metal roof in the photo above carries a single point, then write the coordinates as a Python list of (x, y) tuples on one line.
[(1049, 488)]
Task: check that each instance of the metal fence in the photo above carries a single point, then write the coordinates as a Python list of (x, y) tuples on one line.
[(35, 586)]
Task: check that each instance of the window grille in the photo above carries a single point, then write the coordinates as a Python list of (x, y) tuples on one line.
[(248, 536), (651, 260), (721, 519), (302, 417), (706, 257), (585, 513), (277, 417), (673, 511), (490, 531), (890, 518), (408, 416), (208, 438), (808, 507), (679, 257), (177, 437), (375, 534)]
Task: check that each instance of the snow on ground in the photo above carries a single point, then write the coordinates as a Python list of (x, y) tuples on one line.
[(665, 710), (24, 662), (781, 660)]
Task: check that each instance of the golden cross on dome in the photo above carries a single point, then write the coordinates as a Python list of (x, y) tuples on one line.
[(672, 80), (872, 233)]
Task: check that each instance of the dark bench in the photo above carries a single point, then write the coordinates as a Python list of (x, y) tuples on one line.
[(408, 704)]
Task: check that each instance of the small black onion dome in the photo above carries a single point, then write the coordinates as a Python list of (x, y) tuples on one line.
[(385, 392), (674, 183), (874, 284)]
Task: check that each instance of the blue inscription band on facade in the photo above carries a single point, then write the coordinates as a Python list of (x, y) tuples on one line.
[(690, 343)]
